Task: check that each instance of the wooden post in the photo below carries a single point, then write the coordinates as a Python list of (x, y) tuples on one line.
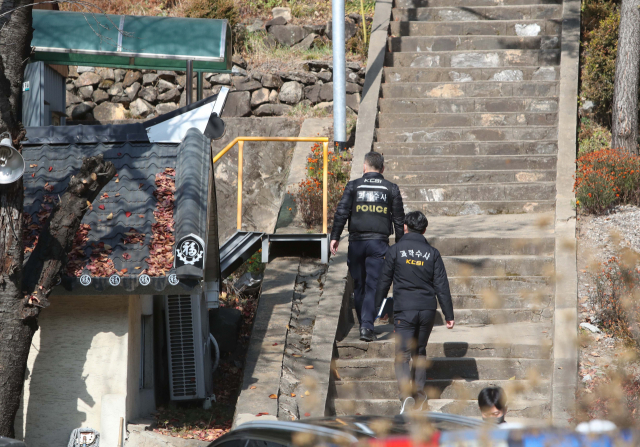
[(120, 432), (240, 150), (325, 181)]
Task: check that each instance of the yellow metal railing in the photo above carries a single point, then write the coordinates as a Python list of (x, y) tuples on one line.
[(240, 141)]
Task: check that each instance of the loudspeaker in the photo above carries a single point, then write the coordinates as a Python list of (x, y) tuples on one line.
[(11, 162)]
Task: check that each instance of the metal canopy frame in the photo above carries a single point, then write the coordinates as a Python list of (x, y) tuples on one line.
[(131, 42)]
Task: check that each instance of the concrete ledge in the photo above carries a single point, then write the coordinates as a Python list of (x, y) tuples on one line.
[(368, 112), (565, 347), (263, 364)]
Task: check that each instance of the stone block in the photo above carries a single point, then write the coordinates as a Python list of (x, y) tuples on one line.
[(73, 72), (238, 104), (86, 70), (325, 76), (277, 21), (353, 88), (315, 29), (169, 76), (72, 99), (236, 59), (118, 74), (259, 97), (239, 71), (167, 107), (164, 86), (484, 60), (140, 108), (100, 96), (108, 111), (544, 74), (353, 102), (257, 25), (291, 92), (300, 76), (288, 35), (169, 95), (106, 73), (273, 96), (131, 77), (312, 93), (326, 92), (132, 90), (223, 79), (272, 110), (80, 111), (149, 79), (350, 29), (306, 43), (116, 89), (282, 12), (106, 84), (88, 78), (149, 94), (248, 86), (271, 81), (85, 92)]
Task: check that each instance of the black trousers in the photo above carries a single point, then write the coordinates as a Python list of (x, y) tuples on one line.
[(365, 259), (412, 331)]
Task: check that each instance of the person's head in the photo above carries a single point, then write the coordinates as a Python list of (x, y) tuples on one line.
[(373, 162), (493, 404), (415, 222)]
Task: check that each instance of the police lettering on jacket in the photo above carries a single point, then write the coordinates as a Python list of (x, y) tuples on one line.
[(371, 206)]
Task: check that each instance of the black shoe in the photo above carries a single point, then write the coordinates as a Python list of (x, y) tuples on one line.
[(367, 334)]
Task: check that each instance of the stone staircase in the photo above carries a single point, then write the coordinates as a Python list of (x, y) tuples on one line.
[(468, 125)]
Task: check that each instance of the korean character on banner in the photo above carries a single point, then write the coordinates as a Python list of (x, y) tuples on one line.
[(403, 254)]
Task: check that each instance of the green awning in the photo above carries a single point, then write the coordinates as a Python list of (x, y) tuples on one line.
[(158, 43)]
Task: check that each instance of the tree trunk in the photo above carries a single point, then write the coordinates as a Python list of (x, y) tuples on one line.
[(22, 298), (15, 333), (625, 96)]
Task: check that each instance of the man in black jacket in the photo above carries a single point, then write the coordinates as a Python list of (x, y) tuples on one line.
[(373, 207), (418, 276)]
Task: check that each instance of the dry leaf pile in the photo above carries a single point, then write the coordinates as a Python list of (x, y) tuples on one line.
[(160, 258)]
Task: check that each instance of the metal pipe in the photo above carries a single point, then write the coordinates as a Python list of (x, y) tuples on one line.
[(188, 83), (199, 88), (240, 150), (325, 182), (120, 432), (226, 149), (339, 74)]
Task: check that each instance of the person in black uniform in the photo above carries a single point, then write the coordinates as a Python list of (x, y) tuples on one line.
[(418, 275), (374, 208)]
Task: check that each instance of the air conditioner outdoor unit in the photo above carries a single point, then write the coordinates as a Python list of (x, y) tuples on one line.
[(189, 348)]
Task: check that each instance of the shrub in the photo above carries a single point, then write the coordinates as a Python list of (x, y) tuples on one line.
[(308, 197), (606, 178), (213, 9), (600, 47), (617, 298), (592, 137)]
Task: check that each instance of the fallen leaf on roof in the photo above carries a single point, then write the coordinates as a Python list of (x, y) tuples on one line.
[(94, 176), (308, 367), (126, 256), (141, 216), (128, 214), (48, 187), (137, 268), (293, 394), (117, 194), (307, 414), (33, 165), (273, 396), (33, 175), (101, 207), (123, 271), (50, 168), (117, 180), (110, 216)]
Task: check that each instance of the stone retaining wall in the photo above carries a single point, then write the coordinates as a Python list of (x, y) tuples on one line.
[(105, 94)]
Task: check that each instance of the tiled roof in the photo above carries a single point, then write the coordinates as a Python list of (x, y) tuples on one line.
[(52, 155)]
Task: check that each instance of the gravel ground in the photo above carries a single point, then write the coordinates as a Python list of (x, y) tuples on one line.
[(600, 238)]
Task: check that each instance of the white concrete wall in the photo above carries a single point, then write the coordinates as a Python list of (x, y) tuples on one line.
[(79, 355), (140, 402)]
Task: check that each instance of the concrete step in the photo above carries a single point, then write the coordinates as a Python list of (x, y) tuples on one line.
[(470, 89), (471, 177), (408, 74), (468, 148), (497, 316), (416, 164), (432, 120), (491, 246), (480, 191), (465, 208), (511, 227), (441, 389), (537, 409), (470, 3), (498, 134), (499, 284), (471, 43), (540, 27), (496, 265), (448, 368), (474, 59), (468, 105), (506, 301), (474, 13)]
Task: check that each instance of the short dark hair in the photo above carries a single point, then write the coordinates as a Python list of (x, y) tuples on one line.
[(492, 396), (416, 221), (375, 160)]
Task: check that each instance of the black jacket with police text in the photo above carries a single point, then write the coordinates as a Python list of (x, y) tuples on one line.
[(373, 207), (418, 276)]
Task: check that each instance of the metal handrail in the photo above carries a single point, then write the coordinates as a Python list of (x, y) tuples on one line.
[(241, 140)]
